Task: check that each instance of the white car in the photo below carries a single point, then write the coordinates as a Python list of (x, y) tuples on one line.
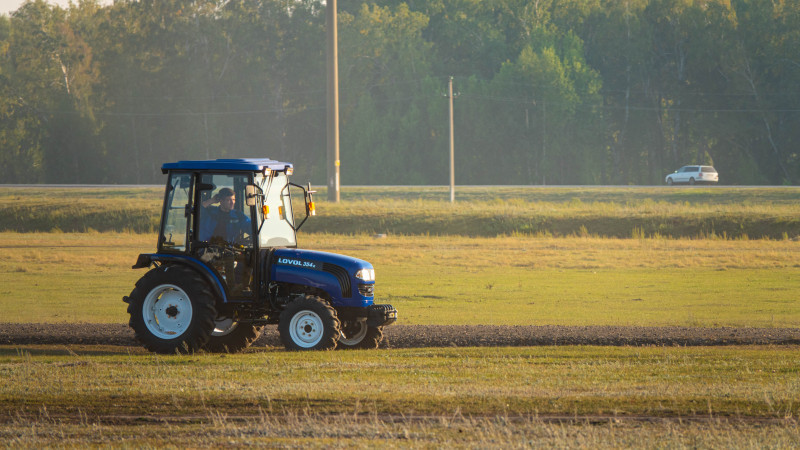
[(693, 175)]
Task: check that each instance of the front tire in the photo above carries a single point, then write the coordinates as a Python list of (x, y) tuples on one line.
[(230, 336), (670, 182), (309, 323), (172, 310), (356, 334)]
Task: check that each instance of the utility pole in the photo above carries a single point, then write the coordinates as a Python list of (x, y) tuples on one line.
[(333, 102), (452, 144)]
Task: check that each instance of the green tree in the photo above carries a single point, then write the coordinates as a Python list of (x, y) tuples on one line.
[(384, 88), (49, 75)]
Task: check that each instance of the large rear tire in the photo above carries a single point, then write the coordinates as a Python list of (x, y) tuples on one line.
[(172, 310), (230, 336), (355, 334), (309, 323)]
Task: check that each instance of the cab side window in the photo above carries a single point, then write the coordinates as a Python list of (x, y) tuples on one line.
[(176, 213)]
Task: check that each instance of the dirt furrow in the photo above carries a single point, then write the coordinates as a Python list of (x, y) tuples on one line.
[(419, 336)]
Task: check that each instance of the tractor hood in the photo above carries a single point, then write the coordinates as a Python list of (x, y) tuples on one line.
[(333, 273), (297, 256)]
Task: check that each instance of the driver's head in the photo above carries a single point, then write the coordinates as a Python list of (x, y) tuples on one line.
[(227, 199)]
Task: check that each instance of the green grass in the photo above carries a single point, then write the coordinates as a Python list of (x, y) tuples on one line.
[(696, 195), (59, 209), (618, 397), (623, 381), (611, 212), (81, 277)]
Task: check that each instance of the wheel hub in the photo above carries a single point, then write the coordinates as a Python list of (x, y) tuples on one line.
[(172, 311)]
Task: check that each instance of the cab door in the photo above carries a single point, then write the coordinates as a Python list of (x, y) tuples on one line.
[(225, 233), (176, 217)]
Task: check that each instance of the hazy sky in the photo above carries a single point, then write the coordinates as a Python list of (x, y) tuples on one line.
[(7, 6)]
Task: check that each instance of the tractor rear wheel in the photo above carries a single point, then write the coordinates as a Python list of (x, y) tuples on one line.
[(172, 310), (309, 323), (356, 334), (230, 336)]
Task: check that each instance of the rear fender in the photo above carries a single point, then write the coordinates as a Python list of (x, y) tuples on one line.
[(146, 259)]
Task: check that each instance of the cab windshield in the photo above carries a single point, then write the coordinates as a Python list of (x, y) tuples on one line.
[(277, 226)]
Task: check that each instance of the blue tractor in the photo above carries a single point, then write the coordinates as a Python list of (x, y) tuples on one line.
[(227, 264)]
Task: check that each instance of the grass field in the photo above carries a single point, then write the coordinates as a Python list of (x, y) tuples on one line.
[(605, 212), (560, 270), (81, 277), (539, 396)]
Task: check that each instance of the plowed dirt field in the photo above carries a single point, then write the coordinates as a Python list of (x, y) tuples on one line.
[(417, 336)]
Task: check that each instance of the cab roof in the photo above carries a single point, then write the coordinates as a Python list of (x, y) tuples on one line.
[(224, 165)]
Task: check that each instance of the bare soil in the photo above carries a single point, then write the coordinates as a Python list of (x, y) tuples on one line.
[(418, 336)]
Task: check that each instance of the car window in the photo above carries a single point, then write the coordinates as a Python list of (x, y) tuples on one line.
[(708, 169), (693, 169)]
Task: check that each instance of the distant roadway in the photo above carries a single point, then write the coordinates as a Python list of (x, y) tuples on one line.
[(521, 186)]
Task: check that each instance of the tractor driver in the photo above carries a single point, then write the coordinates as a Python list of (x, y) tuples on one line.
[(222, 222), (225, 224)]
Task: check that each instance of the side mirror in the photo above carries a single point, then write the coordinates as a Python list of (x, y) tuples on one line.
[(308, 200), (250, 195)]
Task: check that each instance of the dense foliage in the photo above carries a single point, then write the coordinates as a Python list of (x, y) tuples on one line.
[(550, 91)]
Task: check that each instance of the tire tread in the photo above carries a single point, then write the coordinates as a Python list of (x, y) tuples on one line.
[(203, 310)]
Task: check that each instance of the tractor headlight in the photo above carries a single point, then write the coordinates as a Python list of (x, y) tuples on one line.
[(366, 274)]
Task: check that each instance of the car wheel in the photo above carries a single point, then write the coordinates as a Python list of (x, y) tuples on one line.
[(670, 182), (691, 181)]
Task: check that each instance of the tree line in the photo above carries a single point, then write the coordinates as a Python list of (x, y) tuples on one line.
[(549, 91)]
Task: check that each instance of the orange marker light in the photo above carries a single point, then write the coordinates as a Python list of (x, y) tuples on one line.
[(265, 211), (312, 209)]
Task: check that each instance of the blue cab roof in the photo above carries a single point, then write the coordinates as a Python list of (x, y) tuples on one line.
[(244, 164)]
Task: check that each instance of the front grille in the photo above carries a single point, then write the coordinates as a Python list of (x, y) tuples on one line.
[(367, 290), (341, 274)]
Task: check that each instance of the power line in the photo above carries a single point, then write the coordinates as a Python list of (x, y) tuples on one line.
[(419, 96)]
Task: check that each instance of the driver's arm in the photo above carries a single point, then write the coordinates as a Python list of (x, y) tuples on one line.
[(210, 201)]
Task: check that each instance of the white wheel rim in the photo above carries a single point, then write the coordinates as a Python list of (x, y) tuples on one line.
[(224, 326), (306, 329), (358, 336), (167, 311)]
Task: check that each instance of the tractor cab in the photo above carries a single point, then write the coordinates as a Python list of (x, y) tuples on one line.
[(222, 212)]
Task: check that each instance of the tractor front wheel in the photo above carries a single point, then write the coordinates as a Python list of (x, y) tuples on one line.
[(356, 334), (172, 310), (309, 323), (230, 336)]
